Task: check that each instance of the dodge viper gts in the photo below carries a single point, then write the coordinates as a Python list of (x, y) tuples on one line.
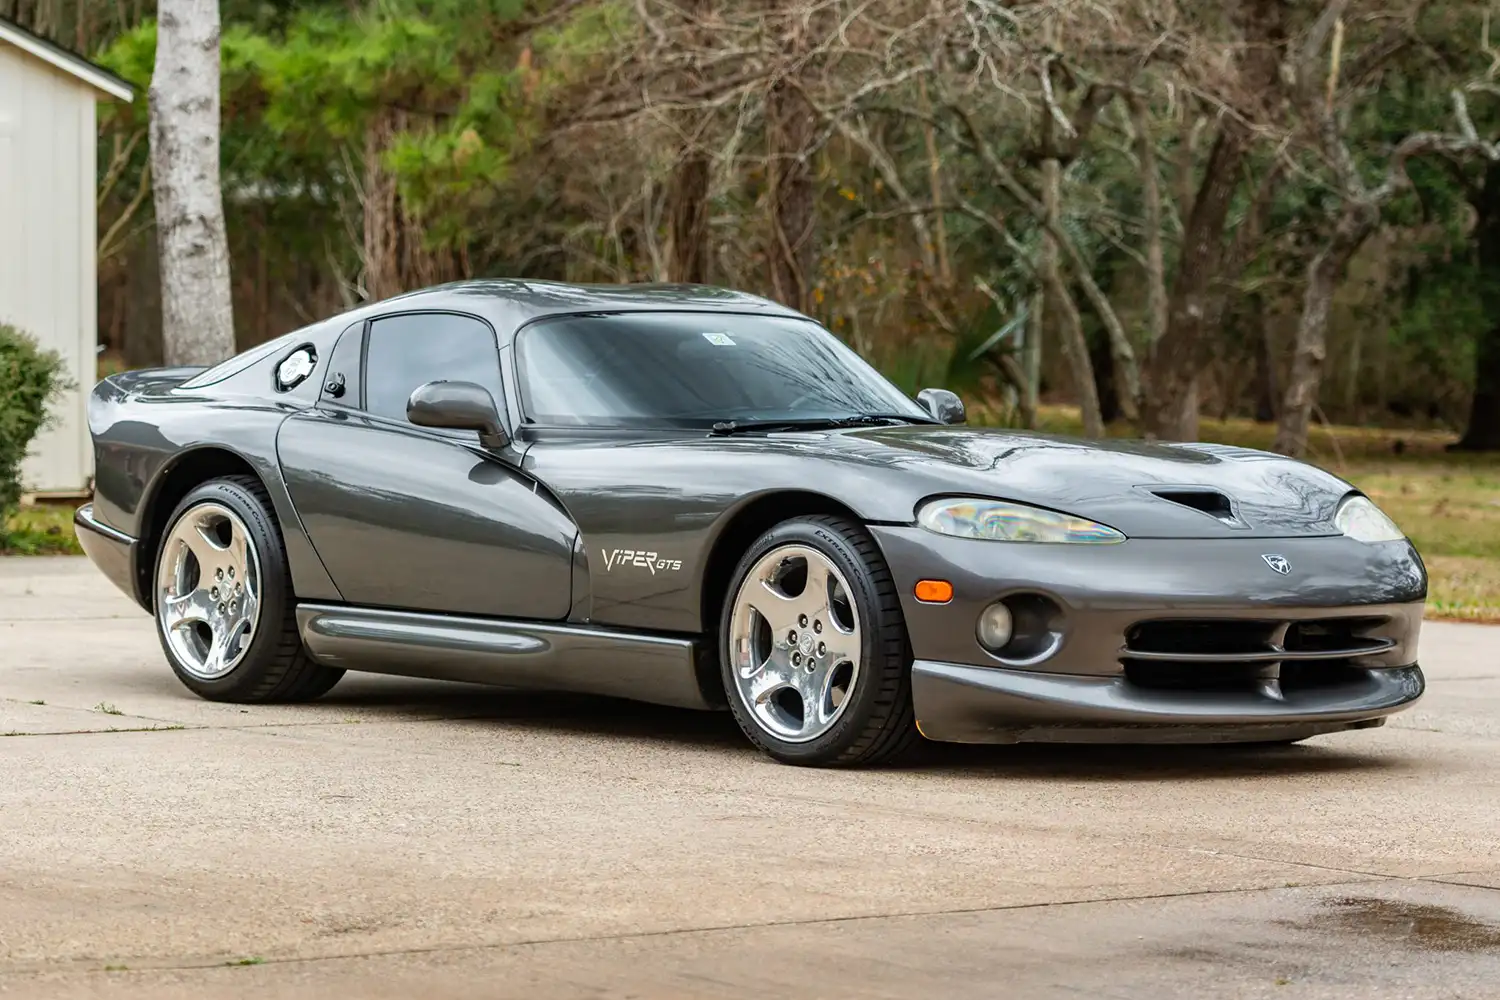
[(697, 497)]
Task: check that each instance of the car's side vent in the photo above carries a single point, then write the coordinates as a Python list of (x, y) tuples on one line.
[(1210, 502)]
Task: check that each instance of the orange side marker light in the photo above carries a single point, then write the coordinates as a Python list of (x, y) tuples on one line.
[(934, 591)]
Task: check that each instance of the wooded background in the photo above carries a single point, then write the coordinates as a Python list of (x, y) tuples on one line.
[(1149, 208)]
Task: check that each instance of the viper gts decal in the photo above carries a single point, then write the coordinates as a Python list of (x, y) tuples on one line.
[(615, 558)]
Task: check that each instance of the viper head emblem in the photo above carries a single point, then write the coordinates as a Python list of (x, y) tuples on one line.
[(1277, 563)]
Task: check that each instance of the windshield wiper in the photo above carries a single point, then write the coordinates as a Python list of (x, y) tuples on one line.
[(880, 419), (726, 427)]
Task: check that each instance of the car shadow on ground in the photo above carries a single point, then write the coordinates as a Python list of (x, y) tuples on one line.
[(1146, 762), (609, 718)]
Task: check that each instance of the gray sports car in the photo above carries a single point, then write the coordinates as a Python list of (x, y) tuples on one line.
[(697, 497)]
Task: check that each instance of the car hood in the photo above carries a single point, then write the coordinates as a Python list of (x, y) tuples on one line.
[(1144, 490)]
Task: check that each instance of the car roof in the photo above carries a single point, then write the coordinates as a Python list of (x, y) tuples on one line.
[(510, 303)]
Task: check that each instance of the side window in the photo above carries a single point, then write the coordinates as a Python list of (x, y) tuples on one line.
[(405, 351), (340, 385)]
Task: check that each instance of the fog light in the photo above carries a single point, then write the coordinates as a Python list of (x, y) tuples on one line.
[(995, 626), (1021, 629)]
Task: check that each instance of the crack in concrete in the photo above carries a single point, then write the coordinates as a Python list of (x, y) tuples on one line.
[(197, 965), (1383, 876), (1449, 880), (219, 727), (69, 618), (173, 727)]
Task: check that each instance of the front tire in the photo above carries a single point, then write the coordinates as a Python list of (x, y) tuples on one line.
[(224, 607), (814, 651)]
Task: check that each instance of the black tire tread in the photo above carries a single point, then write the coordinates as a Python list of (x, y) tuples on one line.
[(290, 675), (891, 729), (293, 676)]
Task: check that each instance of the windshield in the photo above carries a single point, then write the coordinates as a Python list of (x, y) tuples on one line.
[(693, 370)]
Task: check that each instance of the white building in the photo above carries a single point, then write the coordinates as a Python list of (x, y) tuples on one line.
[(48, 284)]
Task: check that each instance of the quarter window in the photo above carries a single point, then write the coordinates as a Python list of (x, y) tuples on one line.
[(407, 351)]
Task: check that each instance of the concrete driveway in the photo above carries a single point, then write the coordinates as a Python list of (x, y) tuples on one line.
[(408, 839)]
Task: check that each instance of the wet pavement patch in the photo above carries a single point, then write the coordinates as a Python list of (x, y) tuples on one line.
[(1418, 925)]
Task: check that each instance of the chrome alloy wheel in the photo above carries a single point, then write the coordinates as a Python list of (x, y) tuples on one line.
[(794, 642), (208, 590)]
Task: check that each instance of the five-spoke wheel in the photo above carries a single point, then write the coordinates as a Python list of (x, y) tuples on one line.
[(794, 639), (208, 590), (223, 599), (814, 646)]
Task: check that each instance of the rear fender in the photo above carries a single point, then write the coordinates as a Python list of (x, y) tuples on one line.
[(153, 443)]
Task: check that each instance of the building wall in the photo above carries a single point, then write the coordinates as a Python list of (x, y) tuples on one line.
[(48, 285)]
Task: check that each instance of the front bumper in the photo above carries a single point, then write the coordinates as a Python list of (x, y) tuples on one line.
[(114, 552), (965, 704), (1098, 684)]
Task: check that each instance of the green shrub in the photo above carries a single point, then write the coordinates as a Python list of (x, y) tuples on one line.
[(29, 379)]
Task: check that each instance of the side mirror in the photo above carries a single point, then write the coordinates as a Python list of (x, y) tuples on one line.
[(461, 406), (945, 406)]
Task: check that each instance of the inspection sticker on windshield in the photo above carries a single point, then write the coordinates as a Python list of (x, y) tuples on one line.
[(718, 339)]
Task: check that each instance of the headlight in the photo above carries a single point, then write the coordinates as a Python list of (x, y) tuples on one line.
[(1362, 521), (998, 521)]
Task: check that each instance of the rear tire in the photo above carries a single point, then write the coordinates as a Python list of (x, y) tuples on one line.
[(224, 607), (816, 677)]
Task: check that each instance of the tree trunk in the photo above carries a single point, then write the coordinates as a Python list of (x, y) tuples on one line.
[(789, 170), (396, 255), (688, 219), (1357, 220), (1265, 364), (197, 314), (789, 136), (1032, 364), (687, 204), (1103, 364), (935, 183), (1483, 432), (1156, 282), (1060, 304), (381, 250), (1171, 406), (1187, 154)]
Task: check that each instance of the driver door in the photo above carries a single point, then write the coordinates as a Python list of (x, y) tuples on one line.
[(422, 518)]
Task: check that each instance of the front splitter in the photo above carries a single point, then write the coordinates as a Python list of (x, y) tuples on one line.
[(958, 703)]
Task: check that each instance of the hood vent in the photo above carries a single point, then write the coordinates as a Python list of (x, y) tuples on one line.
[(1229, 452), (1211, 502)]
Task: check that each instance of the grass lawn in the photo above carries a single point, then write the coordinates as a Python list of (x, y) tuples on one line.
[(1448, 504), (43, 530)]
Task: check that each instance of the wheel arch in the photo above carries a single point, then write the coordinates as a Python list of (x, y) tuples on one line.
[(178, 478), (738, 530)]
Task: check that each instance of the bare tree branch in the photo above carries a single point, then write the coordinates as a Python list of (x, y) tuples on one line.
[(1156, 278), (1124, 353), (108, 246)]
